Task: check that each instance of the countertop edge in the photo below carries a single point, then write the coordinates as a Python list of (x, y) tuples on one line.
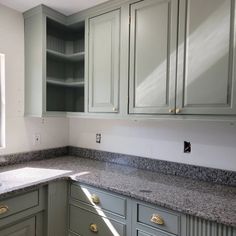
[(127, 194)]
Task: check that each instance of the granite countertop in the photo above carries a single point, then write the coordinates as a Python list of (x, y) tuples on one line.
[(206, 200)]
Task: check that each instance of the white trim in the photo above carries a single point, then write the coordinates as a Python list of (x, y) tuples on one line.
[(2, 101)]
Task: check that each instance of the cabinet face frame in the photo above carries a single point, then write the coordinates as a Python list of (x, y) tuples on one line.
[(167, 65), (187, 101)]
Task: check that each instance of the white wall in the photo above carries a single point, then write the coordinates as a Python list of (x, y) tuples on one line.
[(213, 143), (20, 130)]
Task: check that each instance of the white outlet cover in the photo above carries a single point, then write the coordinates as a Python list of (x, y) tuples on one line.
[(37, 139)]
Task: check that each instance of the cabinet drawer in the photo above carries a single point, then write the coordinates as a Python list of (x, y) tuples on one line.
[(141, 233), (158, 218), (24, 228), (86, 223), (102, 199), (18, 203)]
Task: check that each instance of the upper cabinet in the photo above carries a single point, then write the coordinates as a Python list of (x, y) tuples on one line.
[(132, 58), (54, 63), (104, 61), (153, 41), (206, 57), (205, 72)]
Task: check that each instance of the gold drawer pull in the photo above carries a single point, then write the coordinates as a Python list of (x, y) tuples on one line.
[(93, 228), (157, 219), (95, 199), (3, 209), (178, 110), (171, 110)]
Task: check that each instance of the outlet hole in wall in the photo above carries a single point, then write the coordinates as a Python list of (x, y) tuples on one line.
[(187, 147), (98, 138)]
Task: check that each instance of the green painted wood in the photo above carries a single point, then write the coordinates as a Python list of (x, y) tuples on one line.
[(206, 57), (137, 217), (194, 226), (140, 233), (22, 206), (40, 227), (57, 209), (20, 203), (108, 201), (33, 65), (153, 37), (24, 228), (72, 234), (104, 60), (80, 221), (155, 233), (171, 220)]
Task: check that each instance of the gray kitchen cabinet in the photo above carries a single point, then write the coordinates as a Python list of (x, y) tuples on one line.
[(112, 214), (132, 59), (23, 214), (148, 220), (56, 211), (104, 61), (24, 228), (153, 40), (206, 79), (94, 211), (54, 63), (195, 226)]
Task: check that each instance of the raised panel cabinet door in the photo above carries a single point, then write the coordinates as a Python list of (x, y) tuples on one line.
[(24, 228), (104, 59), (153, 41), (206, 81)]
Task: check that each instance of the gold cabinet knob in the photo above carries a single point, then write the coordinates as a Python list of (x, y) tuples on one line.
[(157, 219), (3, 209), (178, 110), (171, 110), (93, 228), (114, 109), (95, 199)]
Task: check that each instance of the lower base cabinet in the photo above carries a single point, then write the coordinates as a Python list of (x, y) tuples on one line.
[(23, 214), (91, 223), (89, 211), (141, 233), (24, 228), (94, 211)]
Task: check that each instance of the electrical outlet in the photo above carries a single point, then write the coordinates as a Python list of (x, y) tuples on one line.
[(187, 147), (36, 139), (98, 138)]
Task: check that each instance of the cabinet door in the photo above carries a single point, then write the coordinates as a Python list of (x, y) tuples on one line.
[(25, 228), (104, 48), (153, 40), (194, 226), (206, 63)]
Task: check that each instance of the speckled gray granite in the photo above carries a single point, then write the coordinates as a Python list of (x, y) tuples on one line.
[(206, 200), (21, 157), (178, 169), (218, 176)]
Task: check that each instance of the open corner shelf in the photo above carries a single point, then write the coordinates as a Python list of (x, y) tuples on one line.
[(75, 83), (78, 56), (65, 67)]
